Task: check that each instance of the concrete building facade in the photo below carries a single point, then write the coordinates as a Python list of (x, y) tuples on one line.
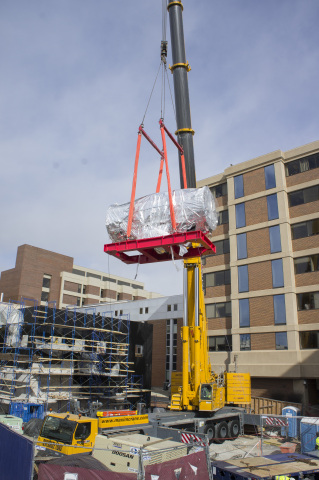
[(43, 276)]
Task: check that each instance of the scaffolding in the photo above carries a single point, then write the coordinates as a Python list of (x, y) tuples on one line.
[(62, 358)]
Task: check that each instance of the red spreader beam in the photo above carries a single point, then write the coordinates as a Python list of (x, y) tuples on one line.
[(161, 249)]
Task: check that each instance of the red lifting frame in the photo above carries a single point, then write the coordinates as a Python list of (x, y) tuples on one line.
[(161, 249)]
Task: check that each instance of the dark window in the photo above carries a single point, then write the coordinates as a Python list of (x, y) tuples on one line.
[(78, 302), (222, 217), (302, 165), (306, 264), (78, 272), (215, 279), (240, 215), (241, 246), (141, 311), (175, 307), (222, 246), (277, 273), (83, 431), (169, 308), (309, 340), (308, 301), (84, 290), (243, 279), (274, 237), (146, 309), (44, 296), (220, 344), (270, 179), (46, 282), (279, 310), (306, 195), (218, 310), (120, 282), (108, 279), (239, 186), (281, 341), (244, 341), (305, 229), (79, 288), (244, 317), (219, 190), (272, 207), (93, 275), (136, 286)]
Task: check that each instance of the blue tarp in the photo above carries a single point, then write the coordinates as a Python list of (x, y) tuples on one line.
[(16, 455)]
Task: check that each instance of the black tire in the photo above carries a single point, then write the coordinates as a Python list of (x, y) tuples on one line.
[(234, 429), (221, 432), (210, 431)]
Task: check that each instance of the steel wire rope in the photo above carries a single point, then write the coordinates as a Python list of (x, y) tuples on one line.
[(149, 100)]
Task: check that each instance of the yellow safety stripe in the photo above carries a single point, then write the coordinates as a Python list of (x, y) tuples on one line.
[(175, 3), (184, 65), (185, 130)]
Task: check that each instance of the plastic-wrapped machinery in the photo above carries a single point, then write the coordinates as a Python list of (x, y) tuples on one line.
[(194, 210)]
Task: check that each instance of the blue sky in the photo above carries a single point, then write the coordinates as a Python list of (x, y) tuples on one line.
[(75, 80)]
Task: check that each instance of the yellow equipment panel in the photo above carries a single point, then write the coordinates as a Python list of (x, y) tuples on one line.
[(238, 388)]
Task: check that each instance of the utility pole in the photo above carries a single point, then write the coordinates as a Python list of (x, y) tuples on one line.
[(180, 69)]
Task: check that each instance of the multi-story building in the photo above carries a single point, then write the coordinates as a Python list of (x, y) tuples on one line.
[(262, 286), (43, 276)]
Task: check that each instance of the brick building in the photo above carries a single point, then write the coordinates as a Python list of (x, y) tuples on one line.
[(44, 276), (262, 286)]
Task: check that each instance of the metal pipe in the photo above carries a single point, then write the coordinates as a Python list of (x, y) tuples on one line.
[(196, 297), (185, 298), (180, 73)]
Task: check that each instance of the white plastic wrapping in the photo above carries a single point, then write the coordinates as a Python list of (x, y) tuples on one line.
[(194, 210)]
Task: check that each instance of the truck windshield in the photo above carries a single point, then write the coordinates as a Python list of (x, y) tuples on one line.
[(59, 429)]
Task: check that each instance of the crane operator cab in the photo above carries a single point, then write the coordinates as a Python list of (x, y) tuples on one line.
[(211, 397)]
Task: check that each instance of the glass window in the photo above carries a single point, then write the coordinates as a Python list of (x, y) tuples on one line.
[(302, 165), (243, 279), (239, 186), (308, 301), (222, 246), (305, 229), (44, 296), (245, 341), (281, 341), (274, 238), (216, 278), (244, 318), (241, 246), (218, 310), (270, 179), (306, 264), (240, 215), (309, 340), (306, 195), (272, 207), (279, 310), (277, 273), (169, 308), (46, 282), (83, 431), (220, 344), (222, 217), (219, 190)]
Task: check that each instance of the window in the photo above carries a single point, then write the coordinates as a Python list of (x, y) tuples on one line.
[(270, 179), (146, 309), (219, 190), (136, 286), (141, 311), (240, 215), (281, 341), (244, 318), (239, 186), (277, 273), (169, 308), (126, 284), (79, 288), (93, 275), (83, 431), (241, 246), (139, 350), (171, 340), (302, 165), (44, 296), (46, 281), (121, 312), (309, 340), (78, 272), (216, 279), (78, 302), (305, 229), (308, 301), (244, 339), (108, 279), (243, 279), (218, 310), (306, 264), (279, 309), (102, 293), (175, 307), (272, 207), (222, 246), (84, 290), (222, 217), (220, 344), (300, 197), (274, 238)]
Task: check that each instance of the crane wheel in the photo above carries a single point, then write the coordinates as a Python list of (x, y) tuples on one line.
[(234, 429), (221, 432), (210, 431)]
